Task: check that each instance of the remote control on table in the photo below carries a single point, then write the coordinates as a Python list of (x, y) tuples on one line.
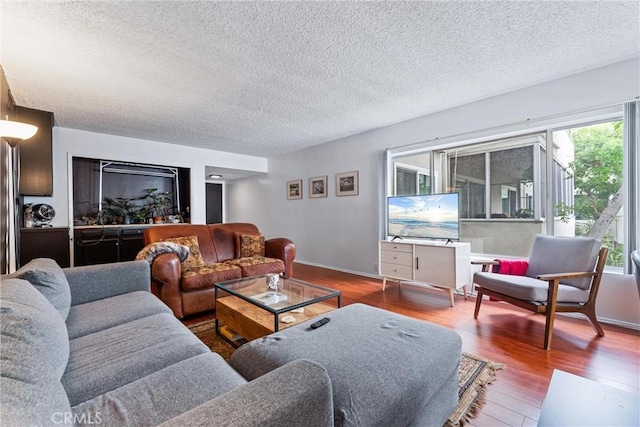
[(320, 322)]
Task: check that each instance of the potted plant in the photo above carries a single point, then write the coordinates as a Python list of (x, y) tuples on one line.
[(121, 210), (140, 215), (113, 211), (157, 204)]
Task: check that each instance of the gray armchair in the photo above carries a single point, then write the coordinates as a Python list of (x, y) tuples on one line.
[(563, 275)]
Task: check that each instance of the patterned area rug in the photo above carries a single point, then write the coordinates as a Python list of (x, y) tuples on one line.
[(206, 331), (475, 374)]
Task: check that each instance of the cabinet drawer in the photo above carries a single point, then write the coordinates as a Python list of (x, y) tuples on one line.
[(97, 233), (396, 247), (401, 258), (132, 231), (397, 271)]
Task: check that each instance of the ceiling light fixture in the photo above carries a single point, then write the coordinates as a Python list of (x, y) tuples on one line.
[(215, 176), (13, 132)]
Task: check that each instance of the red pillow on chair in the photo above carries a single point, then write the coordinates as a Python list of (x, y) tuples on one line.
[(514, 267)]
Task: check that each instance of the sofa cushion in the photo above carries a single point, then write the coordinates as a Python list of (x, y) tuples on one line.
[(113, 357), (195, 257), (42, 402), (27, 313), (257, 265), (165, 394), (47, 276), (106, 313), (35, 349), (205, 276), (224, 238), (554, 255), (248, 245), (528, 288), (99, 281)]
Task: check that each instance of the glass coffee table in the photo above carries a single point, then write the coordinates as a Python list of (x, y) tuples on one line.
[(248, 308)]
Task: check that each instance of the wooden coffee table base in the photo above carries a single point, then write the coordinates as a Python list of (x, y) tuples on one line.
[(253, 322)]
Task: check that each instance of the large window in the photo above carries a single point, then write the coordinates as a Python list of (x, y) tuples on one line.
[(563, 181), (588, 194)]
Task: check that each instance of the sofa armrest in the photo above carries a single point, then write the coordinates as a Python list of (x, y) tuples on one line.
[(283, 249), (95, 282), (296, 394), (166, 275)]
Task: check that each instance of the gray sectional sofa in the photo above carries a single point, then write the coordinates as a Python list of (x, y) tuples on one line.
[(92, 346)]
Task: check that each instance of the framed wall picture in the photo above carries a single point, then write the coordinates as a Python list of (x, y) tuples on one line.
[(318, 187), (347, 184), (294, 189)]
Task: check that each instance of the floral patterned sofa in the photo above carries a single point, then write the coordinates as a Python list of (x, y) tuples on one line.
[(217, 252)]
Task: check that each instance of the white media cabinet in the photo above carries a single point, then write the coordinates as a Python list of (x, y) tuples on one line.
[(436, 264)]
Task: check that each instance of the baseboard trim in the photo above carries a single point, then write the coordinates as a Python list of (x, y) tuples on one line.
[(615, 322), (342, 270)]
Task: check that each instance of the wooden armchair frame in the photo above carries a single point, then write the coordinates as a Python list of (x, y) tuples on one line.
[(552, 306)]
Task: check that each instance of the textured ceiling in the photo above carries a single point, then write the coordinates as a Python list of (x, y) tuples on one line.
[(267, 78)]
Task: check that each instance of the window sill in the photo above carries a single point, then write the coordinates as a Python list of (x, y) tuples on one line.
[(533, 220)]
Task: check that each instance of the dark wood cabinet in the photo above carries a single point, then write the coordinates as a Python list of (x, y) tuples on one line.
[(131, 242), (36, 153), (47, 242), (102, 245), (95, 246)]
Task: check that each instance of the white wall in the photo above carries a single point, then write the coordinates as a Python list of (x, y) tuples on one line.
[(72, 142), (343, 232), (618, 300)]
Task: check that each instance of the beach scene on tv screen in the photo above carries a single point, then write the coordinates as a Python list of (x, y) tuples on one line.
[(432, 216)]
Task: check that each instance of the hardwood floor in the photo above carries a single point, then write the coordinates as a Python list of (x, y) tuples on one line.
[(505, 334)]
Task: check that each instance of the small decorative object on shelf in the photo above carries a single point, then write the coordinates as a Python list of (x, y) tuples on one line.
[(43, 214), (28, 215), (173, 219)]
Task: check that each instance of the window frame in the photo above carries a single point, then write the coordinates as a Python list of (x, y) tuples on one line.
[(411, 168), (546, 125)]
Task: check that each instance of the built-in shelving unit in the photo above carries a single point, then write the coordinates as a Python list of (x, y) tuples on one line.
[(99, 238), (97, 180)]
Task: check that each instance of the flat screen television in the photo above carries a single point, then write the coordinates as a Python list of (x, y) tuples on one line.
[(427, 216)]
